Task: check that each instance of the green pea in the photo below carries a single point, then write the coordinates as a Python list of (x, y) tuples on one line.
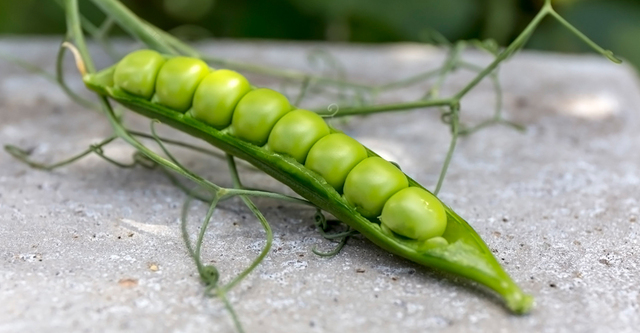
[(257, 113), (371, 183), (136, 73), (334, 156), (178, 80), (414, 213), (217, 97), (432, 243), (296, 132), (420, 245)]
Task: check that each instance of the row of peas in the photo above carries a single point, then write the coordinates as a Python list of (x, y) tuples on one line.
[(225, 100)]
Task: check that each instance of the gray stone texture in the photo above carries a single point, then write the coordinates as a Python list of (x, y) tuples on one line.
[(94, 248)]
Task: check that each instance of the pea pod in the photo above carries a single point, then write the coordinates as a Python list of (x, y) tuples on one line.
[(447, 242)]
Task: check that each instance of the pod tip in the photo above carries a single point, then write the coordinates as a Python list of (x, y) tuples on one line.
[(520, 303)]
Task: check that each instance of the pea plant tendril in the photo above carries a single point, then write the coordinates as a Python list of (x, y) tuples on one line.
[(354, 99)]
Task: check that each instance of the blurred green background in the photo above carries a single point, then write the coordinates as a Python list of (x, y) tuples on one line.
[(614, 24)]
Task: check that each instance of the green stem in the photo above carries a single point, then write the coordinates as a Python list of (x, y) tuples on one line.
[(517, 43), (74, 31), (98, 33), (131, 23), (408, 81), (335, 250), (105, 28), (179, 144), (63, 85), (263, 221), (490, 122), (452, 147), (304, 88), (497, 115), (607, 53), (29, 67), (449, 65), (387, 107), (236, 322), (188, 191), (195, 148), (237, 191), (208, 273), (22, 155), (87, 25), (185, 232), (337, 235), (182, 168), (173, 41), (121, 132), (203, 228), (496, 86), (102, 36)]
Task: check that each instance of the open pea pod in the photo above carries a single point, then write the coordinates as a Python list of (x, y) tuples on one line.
[(465, 254)]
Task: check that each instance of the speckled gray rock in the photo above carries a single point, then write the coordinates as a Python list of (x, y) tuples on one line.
[(94, 248)]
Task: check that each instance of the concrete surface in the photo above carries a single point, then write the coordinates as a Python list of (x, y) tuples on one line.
[(94, 248)]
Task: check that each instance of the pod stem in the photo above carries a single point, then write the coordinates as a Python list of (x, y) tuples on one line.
[(74, 32)]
